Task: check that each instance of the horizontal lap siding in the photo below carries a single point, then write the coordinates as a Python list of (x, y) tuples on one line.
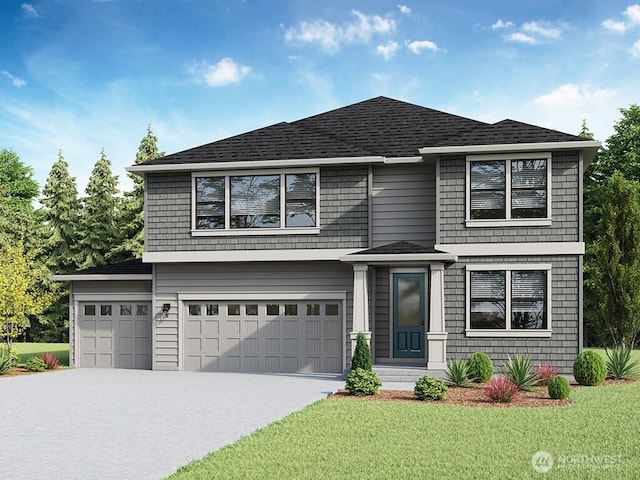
[(220, 278), (382, 334), (565, 206), (404, 204), (560, 350), (343, 216)]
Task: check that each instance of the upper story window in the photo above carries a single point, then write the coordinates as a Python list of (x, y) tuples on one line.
[(509, 189), (258, 203)]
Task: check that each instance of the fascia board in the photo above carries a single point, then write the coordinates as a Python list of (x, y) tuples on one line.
[(512, 147), (99, 277)]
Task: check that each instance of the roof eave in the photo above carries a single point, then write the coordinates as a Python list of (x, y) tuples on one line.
[(99, 277), (589, 147), (399, 258)]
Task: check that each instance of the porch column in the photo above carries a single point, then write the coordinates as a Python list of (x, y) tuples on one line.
[(437, 336), (360, 304)]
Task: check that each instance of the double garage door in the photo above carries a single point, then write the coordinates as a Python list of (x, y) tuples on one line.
[(263, 336), (114, 335)]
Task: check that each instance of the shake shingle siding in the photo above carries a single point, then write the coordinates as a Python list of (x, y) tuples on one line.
[(343, 216), (560, 350), (565, 206)]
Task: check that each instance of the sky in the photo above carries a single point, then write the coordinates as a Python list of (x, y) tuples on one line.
[(79, 76)]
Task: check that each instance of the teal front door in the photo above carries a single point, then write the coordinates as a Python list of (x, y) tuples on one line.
[(408, 315)]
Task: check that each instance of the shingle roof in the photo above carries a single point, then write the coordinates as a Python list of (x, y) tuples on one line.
[(130, 267), (398, 248), (380, 126)]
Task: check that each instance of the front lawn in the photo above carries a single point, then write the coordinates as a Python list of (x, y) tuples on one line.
[(28, 350), (596, 437)]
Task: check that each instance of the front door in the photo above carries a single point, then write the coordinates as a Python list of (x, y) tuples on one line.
[(408, 315)]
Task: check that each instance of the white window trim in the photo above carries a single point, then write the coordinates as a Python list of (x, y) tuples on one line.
[(228, 231), (507, 222), (508, 332)]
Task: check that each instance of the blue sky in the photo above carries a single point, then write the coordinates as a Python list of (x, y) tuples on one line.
[(81, 75)]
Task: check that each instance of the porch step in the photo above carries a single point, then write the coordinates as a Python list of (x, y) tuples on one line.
[(394, 373)]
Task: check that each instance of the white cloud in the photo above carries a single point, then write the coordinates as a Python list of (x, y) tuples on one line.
[(404, 9), (542, 30), (225, 72), (571, 96), (633, 14), (501, 24), (614, 26), (635, 49), (16, 82), (418, 46), (29, 11), (522, 38), (330, 36), (633, 19), (388, 50)]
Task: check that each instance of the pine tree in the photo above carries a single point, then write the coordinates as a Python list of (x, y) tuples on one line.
[(131, 219), (98, 227), (362, 355)]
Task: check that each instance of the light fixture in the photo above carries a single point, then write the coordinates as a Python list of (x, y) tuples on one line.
[(165, 309)]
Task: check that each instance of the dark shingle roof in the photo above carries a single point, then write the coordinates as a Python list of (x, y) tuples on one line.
[(130, 267), (380, 126), (398, 248)]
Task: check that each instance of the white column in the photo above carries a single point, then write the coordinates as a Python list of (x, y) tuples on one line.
[(437, 336), (360, 304)]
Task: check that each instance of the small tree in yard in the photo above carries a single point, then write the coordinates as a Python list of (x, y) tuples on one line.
[(21, 294), (362, 354)]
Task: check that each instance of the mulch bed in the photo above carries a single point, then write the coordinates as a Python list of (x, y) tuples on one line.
[(17, 371), (472, 397)]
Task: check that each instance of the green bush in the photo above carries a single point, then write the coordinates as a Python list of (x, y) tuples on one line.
[(429, 388), (480, 367), (520, 371), (457, 373), (362, 354), (559, 388), (362, 382), (6, 362), (36, 364), (619, 364), (589, 368)]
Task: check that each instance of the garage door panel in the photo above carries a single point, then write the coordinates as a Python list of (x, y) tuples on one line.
[(264, 336)]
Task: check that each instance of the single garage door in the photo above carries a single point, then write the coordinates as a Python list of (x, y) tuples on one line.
[(264, 336), (114, 335)]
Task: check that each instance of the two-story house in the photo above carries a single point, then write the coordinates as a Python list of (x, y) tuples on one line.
[(435, 235)]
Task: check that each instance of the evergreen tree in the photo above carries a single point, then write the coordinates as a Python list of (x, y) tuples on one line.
[(131, 219), (362, 354), (98, 226), (61, 214)]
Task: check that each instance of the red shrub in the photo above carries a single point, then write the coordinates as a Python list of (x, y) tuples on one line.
[(500, 390), (544, 373), (51, 362)]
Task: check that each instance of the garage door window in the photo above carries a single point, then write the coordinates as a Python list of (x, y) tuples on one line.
[(194, 310), (273, 309), (126, 310), (212, 309), (105, 310), (291, 309), (252, 309), (233, 309), (142, 310), (313, 309), (331, 309), (90, 310)]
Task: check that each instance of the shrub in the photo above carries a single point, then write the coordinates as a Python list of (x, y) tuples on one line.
[(500, 390), (457, 373), (559, 388), (6, 362), (429, 388), (36, 364), (362, 382), (519, 370), (589, 368), (362, 354), (51, 362), (619, 364), (544, 373), (480, 367)]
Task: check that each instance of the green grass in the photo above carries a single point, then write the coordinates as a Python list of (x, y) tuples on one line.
[(28, 350), (338, 439)]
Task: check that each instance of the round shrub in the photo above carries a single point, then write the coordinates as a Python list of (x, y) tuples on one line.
[(589, 368), (36, 364), (362, 382), (429, 388), (480, 367), (559, 388)]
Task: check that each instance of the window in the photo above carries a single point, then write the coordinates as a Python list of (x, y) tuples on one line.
[(194, 310), (212, 309), (89, 310), (508, 300), (252, 309), (508, 188), (331, 309), (142, 310), (313, 309), (233, 309), (126, 310), (273, 309), (265, 203), (105, 310)]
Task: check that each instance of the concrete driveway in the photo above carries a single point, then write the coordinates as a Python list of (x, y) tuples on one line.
[(132, 424)]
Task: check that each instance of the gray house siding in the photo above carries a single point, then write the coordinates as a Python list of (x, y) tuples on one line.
[(560, 350), (404, 204), (344, 220), (382, 327), (233, 278), (565, 196)]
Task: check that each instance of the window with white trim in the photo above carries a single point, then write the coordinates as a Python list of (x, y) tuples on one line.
[(508, 189), (266, 202), (508, 300)]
